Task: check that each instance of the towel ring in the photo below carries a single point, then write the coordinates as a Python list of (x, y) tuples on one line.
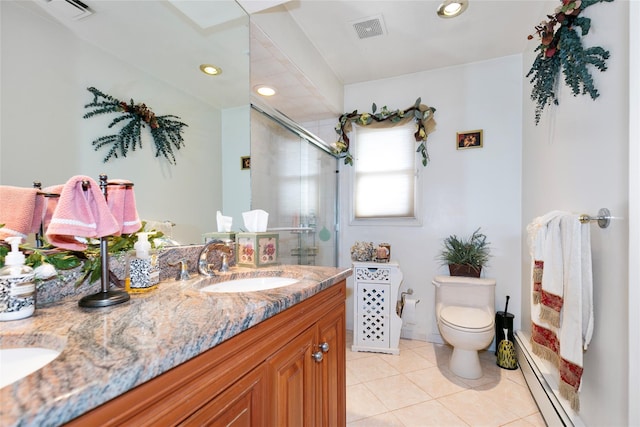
[(603, 218)]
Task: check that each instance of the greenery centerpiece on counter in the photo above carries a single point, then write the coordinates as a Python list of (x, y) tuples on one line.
[(165, 131), (89, 259), (561, 49), (465, 256), (421, 114)]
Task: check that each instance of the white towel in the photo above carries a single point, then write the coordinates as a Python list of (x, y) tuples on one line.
[(561, 250)]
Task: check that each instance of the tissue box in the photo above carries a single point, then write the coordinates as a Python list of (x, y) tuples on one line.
[(256, 249), (224, 236)]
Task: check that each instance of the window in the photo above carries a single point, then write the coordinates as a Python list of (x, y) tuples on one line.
[(385, 173)]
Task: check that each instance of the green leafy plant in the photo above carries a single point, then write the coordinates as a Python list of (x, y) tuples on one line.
[(89, 259), (561, 50), (165, 131), (473, 251), (423, 116)]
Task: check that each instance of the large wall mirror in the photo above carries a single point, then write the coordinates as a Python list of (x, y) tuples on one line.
[(50, 57)]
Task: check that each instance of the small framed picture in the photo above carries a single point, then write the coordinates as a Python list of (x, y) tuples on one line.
[(245, 162), (469, 139)]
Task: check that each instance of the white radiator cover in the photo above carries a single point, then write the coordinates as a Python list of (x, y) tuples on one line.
[(544, 388)]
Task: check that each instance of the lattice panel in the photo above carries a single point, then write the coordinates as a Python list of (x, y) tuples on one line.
[(372, 275), (373, 313)]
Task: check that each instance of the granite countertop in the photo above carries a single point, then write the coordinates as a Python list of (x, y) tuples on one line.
[(108, 351)]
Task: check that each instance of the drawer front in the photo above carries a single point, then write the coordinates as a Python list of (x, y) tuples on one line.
[(373, 274)]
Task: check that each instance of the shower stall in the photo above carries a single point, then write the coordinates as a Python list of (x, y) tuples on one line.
[(294, 178)]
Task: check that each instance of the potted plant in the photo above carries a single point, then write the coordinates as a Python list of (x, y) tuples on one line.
[(465, 257)]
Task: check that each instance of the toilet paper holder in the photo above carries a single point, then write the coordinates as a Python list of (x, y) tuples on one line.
[(400, 303)]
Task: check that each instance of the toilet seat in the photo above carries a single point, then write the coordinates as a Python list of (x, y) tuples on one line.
[(468, 318)]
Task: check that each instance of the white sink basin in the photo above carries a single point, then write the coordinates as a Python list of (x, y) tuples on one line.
[(17, 363), (251, 284)]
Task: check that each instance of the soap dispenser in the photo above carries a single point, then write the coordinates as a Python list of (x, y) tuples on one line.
[(17, 287), (144, 269)]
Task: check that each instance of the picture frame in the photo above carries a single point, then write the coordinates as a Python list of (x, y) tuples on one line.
[(245, 162), (469, 139)]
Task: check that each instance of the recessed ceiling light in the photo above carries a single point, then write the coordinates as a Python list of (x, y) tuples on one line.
[(452, 8), (211, 70), (265, 90)]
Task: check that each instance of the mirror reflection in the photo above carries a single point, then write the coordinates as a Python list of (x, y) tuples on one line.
[(50, 58)]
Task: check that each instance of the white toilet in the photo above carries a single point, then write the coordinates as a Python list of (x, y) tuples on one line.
[(465, 314)]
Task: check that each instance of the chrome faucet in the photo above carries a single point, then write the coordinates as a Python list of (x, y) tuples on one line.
[(204, 267)]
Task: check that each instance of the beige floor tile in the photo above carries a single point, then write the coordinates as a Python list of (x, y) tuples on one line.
[(353, 355), (420, 385), (351, 378), (427, 414), (478, 409), (516, 398), (515, 376), (407, 361), (371, 368), (397, 392), (437, 382), (361, 403), (408, 344), (437, 354), (383, 420), (519, 423), (536, 420)]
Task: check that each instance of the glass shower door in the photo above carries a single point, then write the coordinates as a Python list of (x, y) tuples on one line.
[(296, 183)]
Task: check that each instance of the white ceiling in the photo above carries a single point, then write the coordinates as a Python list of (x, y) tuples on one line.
[(171, 39), (415, 39)]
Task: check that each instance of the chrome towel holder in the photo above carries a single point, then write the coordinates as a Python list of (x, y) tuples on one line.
[(603, 218)]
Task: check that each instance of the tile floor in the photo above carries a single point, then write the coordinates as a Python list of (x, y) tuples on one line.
[(416, 388)]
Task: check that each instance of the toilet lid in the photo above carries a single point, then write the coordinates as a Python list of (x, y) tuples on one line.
[(466, 317)]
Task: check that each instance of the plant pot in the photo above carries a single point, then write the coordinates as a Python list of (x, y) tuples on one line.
[(465, 270)]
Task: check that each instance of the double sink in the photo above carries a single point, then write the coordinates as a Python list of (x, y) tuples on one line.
[(26, 355)]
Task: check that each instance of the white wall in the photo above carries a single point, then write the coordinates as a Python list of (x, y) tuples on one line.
[(236, 182), (576, 159), (462, 189), (634, 214), (45, 75)]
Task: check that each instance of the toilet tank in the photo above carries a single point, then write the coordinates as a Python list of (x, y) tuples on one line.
[(465, 291)]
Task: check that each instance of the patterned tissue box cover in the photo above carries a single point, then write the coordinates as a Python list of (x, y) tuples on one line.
[(256, 249)]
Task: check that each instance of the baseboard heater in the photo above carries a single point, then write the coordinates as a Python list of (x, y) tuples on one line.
[(543, 387)]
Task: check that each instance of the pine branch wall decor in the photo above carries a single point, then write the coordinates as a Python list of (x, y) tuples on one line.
[(561, 49), (165, 130)]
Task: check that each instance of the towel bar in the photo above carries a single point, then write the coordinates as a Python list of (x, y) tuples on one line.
[(603, 218)]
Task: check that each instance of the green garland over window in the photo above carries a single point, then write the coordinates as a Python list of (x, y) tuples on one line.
[(421, 114), (165, 131), (561, 49)]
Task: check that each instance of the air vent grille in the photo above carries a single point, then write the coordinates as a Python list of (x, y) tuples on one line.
[(370, 27), (69, 9)]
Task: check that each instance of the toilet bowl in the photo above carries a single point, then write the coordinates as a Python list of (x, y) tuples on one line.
[(464, 312)]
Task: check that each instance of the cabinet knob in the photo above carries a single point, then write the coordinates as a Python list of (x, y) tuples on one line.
[(317, 356), (324, 347)]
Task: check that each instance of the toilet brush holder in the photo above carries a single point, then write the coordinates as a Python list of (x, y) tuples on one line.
[(507, 358)]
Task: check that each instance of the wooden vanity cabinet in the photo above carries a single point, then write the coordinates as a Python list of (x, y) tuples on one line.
[(288, 370)]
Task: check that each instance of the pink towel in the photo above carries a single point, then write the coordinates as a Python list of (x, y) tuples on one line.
[(50, 203), (20, 211), (122, 203), (80, 214)]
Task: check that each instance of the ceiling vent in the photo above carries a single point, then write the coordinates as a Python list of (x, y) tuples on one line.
[(69, 9), (369, 27)]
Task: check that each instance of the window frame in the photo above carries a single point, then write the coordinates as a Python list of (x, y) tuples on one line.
[(413, 221)]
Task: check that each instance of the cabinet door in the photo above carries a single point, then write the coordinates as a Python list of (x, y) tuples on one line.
[(241, 405), (331, 342), (291, 371)]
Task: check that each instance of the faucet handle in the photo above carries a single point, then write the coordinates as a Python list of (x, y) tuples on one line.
[(225, 263), (184, 269)]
